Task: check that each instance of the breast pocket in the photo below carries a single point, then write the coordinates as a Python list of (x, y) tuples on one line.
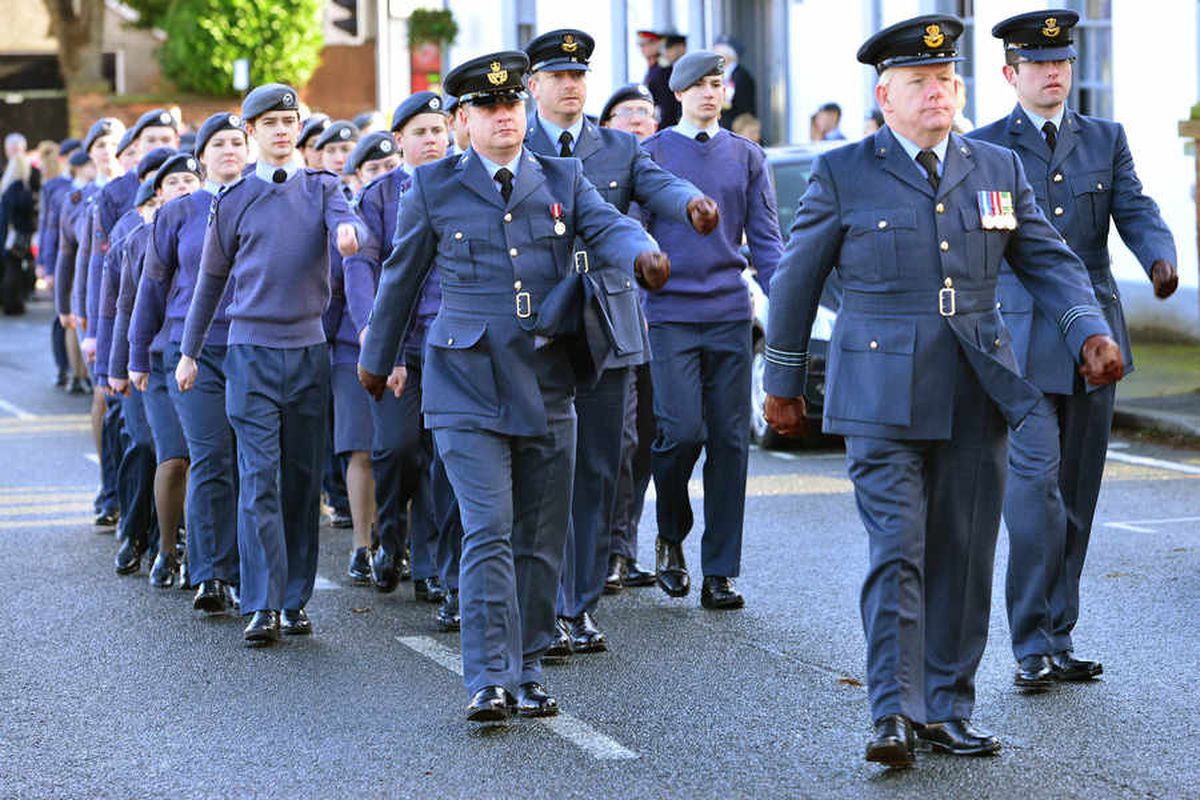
[(459, 249), (458, 377), (545, 233), (614, 189), (618, 300), (985, 247), (876, 241), (871, 371), (1093, 197)]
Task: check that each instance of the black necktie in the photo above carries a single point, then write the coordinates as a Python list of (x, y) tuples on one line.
[(279, 175), (564, 145), (929, 160), (1051, 133), (702, 136), (505, 178)]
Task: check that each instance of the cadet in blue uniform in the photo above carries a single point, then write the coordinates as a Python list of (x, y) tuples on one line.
[(700, 332), (921, 375), (81, 172), (49, 204), (623, 173), (1083, 177), (270, 232), (499, 223), (169, 276), (313, 127)]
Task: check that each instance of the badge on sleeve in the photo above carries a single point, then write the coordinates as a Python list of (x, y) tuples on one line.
[(556, 211), (996, 211)]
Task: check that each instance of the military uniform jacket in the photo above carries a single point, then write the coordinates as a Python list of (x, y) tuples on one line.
[(499, 265), (1084, 183), (74, 205), (920, 273)]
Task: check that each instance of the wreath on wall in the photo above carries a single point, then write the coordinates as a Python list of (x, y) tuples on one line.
[(435, 26)]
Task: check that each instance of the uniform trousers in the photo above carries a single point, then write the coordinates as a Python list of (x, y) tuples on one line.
[(136, 473), (634, 479), (278, 403), (58, 345), (169, 442), (1055, 464), (112, 451)]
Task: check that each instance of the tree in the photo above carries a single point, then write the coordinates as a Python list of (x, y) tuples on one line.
[(283, 42), (151, 13), (79, 29)]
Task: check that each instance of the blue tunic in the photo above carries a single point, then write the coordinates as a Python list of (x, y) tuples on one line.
[(110, 286), (53, 193), (133, 249)]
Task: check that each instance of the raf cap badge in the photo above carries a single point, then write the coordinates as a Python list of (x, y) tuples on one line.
[(497, 76), (385, 146), (934, 36), (435, 103), (1052, 28), (569, 45)]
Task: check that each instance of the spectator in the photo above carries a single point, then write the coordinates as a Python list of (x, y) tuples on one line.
[(828, 120), (17, 226), (748, 125), (873, 122), (961, 123), (673, 45), (740, 95)]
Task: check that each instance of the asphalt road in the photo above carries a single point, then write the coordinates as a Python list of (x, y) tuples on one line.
[(109, 688)]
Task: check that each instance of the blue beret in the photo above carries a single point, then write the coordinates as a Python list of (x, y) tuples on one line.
[(221, 121), (419, 103), (145, 193), (630, 91), (101, 127), (180, 162), (1039, 35), (694, 66), (153, 160), (493, 78), (156, 118), (340, 131), (560, 50), (68, 146), (78, 158), (187, 141), (269, 97), (312, 127), (125, 141), (376, 145), (927, 39)]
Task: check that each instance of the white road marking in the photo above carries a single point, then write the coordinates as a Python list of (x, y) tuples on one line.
[(1144, 461), (1140, 525), (15, 410), (92, 457), (573, 729)]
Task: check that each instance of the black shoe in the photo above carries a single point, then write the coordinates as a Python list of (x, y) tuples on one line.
[(384, 573), (360, 566), (295, 622), (892, 744), (211, 597), (491, 704), (718, 593), (233, 596), (404, 564), (447, 614), (61, 380), (614, 581), (561, 648), (263, 628), (106, 519), (671, 568), (585, 636), (129, 557), (185, 576), (429, 590), (1034, 672), (164, 572), (340, 518), (635, 576), (957, 738), (534, 701), (77, 387), (1069, 668)]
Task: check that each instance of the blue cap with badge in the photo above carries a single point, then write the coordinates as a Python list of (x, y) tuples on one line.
[(340, 131), (693, 66), (153, 160), (489, 79), (312, 127), (630, 91), (419, 103), (1038, 36), (221, 121), (371, 147), (565, 49), (104, 126), (269, 97), (923, 40), (155, 118), (180, 162)]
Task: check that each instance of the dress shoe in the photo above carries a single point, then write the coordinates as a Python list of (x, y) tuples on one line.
[(957, 738), (384, 573), (263, 628), (447, 614), (129, 557), (404, 564), (490, 704), (585, 636), (671, 568), (892, 744), (164, 571), (233, 595), (429, 590), (719, 594), (360, 566), (106, 519), (534, 701), (340, 518), (1034, 672), (78, 387), (614, 580), (211, 597), (635, 576), (1069, 668), (561, 648), (60, 381), (295, 622)]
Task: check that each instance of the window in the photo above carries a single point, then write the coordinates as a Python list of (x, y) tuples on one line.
[(964, 10), (1091, 89)]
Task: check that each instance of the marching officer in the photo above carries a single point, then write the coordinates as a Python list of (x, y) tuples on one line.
[(499, 223), (1083, 177), (922, 376), (622, 172)]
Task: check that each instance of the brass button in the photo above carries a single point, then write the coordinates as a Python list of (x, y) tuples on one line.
[(940, 208), (949, 283), (450, 340), (517, 286), (997, 304), (1058, 211), (1058, 177), (882, 224), (1114, 295), (628, 284), (513, 252), (945, 245), (874, 345), (997, 342), (458, 234), (612, 184), (508, 217), (1100, 186)]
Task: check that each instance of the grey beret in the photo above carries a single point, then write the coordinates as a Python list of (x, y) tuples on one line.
[(694, 66)]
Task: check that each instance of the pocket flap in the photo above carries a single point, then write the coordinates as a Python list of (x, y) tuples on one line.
[(616, 282), (450, 334), (880, 219), (1093, 182), (880, 336)]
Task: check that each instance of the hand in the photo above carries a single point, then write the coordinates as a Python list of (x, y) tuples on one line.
[(397, 380), (105, 387), (652, 269), (140, 380), (119, 386), (67, 321), (704, 214), (88, 346), (787, 415), (347, 239), (185, 373), (374, 384), (362, 336), (1102, 363), (1165, 277)]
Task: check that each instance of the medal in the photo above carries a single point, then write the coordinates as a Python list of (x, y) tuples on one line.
[(996, 211), (556, 211)]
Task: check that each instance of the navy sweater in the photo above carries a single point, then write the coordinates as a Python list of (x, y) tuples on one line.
[(132, 250)]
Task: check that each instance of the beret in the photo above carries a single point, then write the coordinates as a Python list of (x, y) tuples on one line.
[(269, 97), (221, 121), (419, 103), (180, 162), (375, 145), (694, 66), (339, 131), (153, 160), (630, 91)]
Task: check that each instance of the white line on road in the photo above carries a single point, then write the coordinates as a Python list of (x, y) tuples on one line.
[(573, 729), (15, 410), (1139, 525), (1144, 461), (92, 457)]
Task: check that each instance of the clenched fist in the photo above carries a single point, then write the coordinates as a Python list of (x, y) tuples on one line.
[(374, 384), (1165, 278), (1102, 362), (787, 415), (347, 239), (704, 214), (652, 270)]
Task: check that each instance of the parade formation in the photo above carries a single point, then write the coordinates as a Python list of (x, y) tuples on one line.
[(499, 320)]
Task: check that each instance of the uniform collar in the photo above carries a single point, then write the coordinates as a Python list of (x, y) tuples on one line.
[(553, 132), (914, 150), (1039, 122), (685, 128), (212, 187), (491, 167), (266, 171)]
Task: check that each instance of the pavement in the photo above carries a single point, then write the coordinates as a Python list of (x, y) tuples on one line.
[(1161, 397), (109, 688)]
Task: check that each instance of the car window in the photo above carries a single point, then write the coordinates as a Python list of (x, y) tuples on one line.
[(791, 179)]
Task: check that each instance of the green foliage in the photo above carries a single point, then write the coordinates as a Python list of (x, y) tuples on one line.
[(151, 13), (432, 25), (283, 42)]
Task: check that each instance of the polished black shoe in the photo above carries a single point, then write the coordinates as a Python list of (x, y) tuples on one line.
[(1034, 672), (429, 590), (534, 701), (129, 557), (164, 572), (490, 704), (719, 594), (360, 566), (892, 743), (78, 387), (585, 636), (263, 628), (340, 518), (295, 622), (671, 568), (211, 597), (447, 614), (106, 519), (614, 581), (957, 738), (1069, 668), (384, 573), (60, 381), (635, 576), (561, 648)]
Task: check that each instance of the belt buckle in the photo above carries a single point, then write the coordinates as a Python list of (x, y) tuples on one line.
[(524, 305), (581, 261), (947, 305)]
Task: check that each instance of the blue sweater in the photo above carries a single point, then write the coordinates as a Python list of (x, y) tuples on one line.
[(706, 283), (274, 240), (74, 206), (50, 207), (132, 251), (110, 287)]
